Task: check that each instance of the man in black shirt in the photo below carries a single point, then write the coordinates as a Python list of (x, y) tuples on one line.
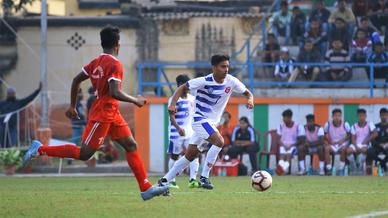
[(379, 149), (8, 115), (244, 140)]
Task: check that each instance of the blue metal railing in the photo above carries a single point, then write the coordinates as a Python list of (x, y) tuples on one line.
[(249, 69)]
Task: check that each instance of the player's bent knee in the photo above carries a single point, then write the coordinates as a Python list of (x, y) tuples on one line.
[(220, 142)]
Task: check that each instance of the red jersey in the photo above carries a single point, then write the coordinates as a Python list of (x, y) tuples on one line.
[(100, 71)]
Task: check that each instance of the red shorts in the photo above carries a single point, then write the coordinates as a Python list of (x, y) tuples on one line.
[(95, 132)]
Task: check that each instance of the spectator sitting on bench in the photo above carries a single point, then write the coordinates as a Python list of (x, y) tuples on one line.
[(337, 134), (314, 143), (307, 55), (363, 132), (291, 136), (336, 56), (244, 140), (379, 149), (284, 67), (379, 56)]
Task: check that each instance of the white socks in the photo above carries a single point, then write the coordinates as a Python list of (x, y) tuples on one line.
[(177, 168), (194, 165), (350, 158), (171, 163), (211, 158), (301, 165), (361, 158), (341, 165), (321, 165)]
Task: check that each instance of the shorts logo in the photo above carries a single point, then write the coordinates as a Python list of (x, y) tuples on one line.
[(227, 89), (210, 90), (209, 165), (100, 140)]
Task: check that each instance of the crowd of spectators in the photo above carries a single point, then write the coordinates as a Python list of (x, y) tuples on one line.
[(349, 32)]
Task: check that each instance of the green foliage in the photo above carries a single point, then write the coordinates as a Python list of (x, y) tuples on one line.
[(10, 6), (10, 157)]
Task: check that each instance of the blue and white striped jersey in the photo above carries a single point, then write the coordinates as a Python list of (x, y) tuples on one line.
[(183, 116), (211, 97)]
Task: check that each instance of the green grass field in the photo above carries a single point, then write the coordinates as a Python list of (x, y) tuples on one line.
[(232, 197)]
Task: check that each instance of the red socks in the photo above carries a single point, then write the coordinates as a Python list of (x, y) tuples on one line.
[(63, 151), (72, 151), (136, 164)]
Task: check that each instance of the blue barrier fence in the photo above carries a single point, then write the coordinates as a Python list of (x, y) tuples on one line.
[(248, 71)]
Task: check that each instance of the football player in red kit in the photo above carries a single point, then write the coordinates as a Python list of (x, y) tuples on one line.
[(105, 73)]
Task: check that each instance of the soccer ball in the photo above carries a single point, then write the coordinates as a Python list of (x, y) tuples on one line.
[(261, 181)]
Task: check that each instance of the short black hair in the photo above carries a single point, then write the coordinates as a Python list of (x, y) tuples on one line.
[(359, 30), (218, 58), (336, 110), (379, 43), (271, 35), (182, 79), (110, 37), (310, 117), (308, 40), (340, 19), (364, 19), (287, 113), (284, 3), (383, 110), (315, 19), (245, 119), (337, 39), (361, 111)]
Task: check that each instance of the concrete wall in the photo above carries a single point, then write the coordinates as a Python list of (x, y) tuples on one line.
[(64, 61)]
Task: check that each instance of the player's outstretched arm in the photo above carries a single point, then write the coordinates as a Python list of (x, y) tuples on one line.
[(178, 93), (71, 111), (116, 93), (248, 94)]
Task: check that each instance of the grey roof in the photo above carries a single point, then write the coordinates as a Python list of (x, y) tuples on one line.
[(117, 20), (185, 15)]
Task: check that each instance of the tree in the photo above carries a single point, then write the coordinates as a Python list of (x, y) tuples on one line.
[(10, 6)]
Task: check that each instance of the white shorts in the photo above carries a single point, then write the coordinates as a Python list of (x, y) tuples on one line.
[(291, 150), (337, 147), (202, 131), (359, 146), (175, 146)]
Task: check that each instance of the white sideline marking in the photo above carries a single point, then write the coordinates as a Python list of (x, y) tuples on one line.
[(370, 214)]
